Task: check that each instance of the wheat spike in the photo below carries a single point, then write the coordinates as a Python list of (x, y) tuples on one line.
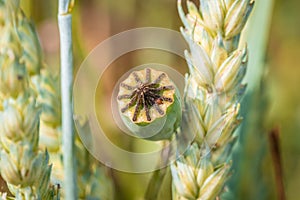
[(214, 87)]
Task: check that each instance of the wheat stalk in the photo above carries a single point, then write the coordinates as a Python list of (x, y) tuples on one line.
[(92, 179), (66, 56), (213, 92)]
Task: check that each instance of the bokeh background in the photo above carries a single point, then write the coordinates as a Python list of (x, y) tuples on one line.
[(276, 100)]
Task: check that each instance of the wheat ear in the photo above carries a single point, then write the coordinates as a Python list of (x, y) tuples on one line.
[(213, 92), (24, 167)]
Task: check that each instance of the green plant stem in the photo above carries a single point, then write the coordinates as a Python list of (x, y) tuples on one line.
[(156, 184), (65, 30)]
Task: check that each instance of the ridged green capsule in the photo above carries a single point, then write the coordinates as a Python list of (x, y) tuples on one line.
[(149, 104)]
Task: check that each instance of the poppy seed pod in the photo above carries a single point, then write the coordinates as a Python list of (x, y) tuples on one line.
[(149, 104)]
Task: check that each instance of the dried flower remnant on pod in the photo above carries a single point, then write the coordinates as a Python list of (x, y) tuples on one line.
[(147, 99)]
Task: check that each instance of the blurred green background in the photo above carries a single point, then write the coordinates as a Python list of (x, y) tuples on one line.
[(96, 20)]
